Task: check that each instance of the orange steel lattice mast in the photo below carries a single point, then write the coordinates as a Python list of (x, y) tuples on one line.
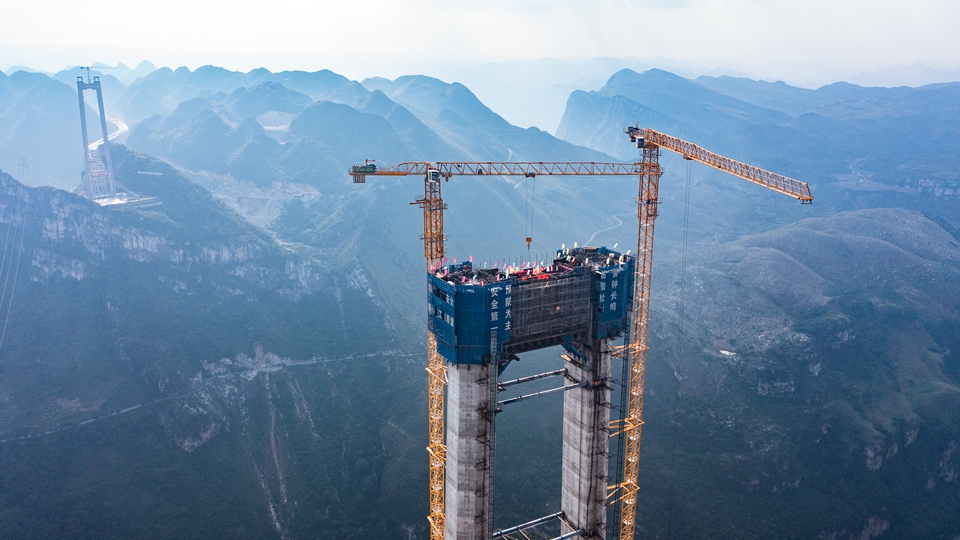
[(433, 206), (635, 351)]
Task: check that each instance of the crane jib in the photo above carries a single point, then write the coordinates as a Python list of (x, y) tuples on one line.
[(777, 182), (505, 168)]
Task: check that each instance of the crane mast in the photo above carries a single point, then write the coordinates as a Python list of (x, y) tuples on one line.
[(634, 352), (433, 206), (649, 142)]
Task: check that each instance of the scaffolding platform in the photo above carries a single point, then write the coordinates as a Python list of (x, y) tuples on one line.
[(483, 315)]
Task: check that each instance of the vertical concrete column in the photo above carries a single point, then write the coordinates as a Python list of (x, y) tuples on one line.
[(469, 442), (586, 420)]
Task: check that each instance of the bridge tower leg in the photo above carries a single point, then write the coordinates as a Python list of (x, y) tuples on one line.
[(586, 420), (471, 402), (98, 170)]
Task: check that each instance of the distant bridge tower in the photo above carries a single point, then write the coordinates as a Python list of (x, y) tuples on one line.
[(98, 167)]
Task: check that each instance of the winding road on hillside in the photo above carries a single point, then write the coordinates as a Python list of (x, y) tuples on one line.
[(121, 129), (619, 223)]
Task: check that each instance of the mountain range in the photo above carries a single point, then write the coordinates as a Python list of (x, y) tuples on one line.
[(858, 147), (245, 358)]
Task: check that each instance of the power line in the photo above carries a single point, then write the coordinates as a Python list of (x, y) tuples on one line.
[(18, 217), (7, 262), (16, 273)]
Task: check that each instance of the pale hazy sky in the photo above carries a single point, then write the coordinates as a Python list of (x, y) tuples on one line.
[(790, 39)]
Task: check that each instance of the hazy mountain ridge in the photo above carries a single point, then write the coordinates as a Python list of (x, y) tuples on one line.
[(171, 87), (190, 249), (126, 75), (181, 354), (455, 113), (39, 118), (817, 354), (820, 374), (320, 142), (835, 411), (859, 147), (463, 128), (268, 96), (457, 126)]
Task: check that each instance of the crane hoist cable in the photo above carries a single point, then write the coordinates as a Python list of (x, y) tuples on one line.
[(678, 372), (530, 189)]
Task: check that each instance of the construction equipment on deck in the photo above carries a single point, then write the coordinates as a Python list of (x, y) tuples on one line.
[(634, 352)]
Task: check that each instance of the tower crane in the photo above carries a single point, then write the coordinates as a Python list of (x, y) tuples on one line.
[(634, 352)]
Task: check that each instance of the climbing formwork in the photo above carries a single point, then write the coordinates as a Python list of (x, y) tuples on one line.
[(480, 319)]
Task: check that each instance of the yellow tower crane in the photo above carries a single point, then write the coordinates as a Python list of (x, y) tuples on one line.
[(634, 353)]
